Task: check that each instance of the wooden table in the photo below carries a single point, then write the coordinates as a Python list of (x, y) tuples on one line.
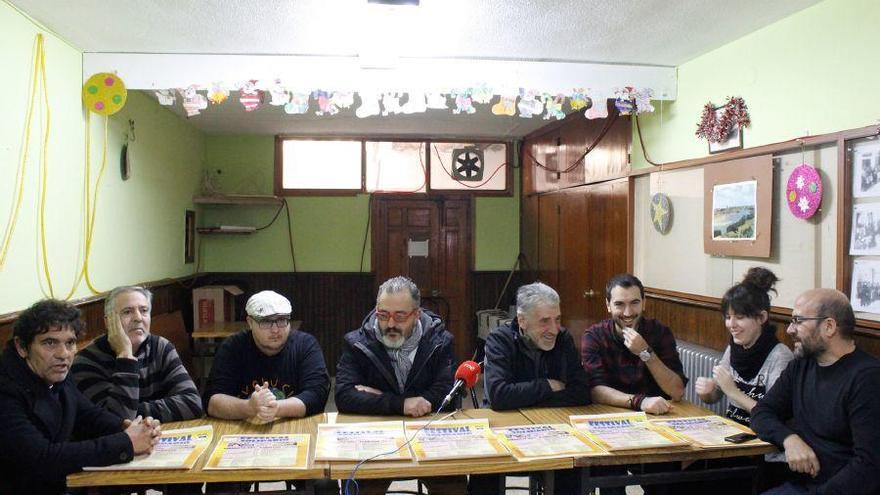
[(684, 454), (198, 475), (413, 469)]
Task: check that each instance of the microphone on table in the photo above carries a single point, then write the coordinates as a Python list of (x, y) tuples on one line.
[(465, 378)]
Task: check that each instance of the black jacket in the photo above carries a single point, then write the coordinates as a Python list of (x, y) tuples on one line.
[(364, 361), (516, 376), (39, 447)]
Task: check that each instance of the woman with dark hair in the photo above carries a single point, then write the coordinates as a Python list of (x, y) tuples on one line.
[(753, 360)]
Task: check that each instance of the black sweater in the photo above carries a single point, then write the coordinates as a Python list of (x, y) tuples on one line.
[(516, 376), (835, 410)]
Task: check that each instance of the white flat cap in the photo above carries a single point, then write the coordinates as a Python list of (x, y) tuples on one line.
[(267, 303)]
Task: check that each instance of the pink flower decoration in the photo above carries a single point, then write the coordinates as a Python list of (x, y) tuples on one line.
[(804, 201)]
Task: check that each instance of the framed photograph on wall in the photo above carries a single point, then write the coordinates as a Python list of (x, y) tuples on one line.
[(733, 141), (865, 291), (865, 229), (189, 239), (738, 207), (866, 168)]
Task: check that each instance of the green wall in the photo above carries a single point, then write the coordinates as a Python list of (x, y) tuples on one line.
[(813, 72), (139, 225), (328, 232)]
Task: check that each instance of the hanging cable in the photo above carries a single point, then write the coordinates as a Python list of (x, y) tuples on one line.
[(290, 235), (608, 124), (91, 210), (44, 170), (642, 141), (366, 231), (22, 165)]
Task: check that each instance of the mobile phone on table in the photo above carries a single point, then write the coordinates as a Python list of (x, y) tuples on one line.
[(740, 437)]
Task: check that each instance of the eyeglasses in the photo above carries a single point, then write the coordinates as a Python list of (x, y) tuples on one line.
[(399, 316), (278, 322), (797, 320)]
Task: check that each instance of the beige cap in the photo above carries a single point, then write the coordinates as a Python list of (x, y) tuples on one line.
[(267, 303)]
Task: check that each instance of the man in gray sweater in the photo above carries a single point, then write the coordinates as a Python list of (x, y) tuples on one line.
[(130, 371)]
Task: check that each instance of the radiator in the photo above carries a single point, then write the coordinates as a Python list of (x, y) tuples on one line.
[(699, 361)]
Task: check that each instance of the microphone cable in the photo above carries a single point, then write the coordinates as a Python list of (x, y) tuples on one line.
[(351, 478)]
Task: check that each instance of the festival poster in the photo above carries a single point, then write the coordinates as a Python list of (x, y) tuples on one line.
[(177, 449), (546, 441), (359, 441), (625, 431), (706, 431), (275, 451), (454, 439)]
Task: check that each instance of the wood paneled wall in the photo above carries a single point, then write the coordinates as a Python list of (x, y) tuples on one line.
[(697, 319), (329, 304), (168, 296)]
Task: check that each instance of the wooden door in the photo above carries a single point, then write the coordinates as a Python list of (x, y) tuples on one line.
[(575, 250), (548, 239), (610, 242), (443, 275)]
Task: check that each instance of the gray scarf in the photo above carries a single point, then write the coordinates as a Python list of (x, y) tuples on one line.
[(400, 358)]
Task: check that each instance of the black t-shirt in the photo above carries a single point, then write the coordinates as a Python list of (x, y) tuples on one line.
[(297, 371)]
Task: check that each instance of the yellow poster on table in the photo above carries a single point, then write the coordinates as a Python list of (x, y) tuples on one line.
[(274, 451), (359, 441), (625, 431), (454, 439), (707, 431), (548, 441), (177, 449)]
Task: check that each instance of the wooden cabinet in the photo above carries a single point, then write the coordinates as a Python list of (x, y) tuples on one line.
[(576, 233), (553, 156)]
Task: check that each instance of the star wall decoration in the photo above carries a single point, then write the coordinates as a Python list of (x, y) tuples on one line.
[(661, 212)]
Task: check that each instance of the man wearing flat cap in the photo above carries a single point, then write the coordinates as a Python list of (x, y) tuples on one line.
[(267, 371)]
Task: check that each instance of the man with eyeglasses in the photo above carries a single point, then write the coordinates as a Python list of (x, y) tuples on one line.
[(823, 409), (398, 363), (130, 371), (267, 371), (49, 429)]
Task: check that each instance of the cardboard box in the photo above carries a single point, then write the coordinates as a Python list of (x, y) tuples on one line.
[(213, 304)]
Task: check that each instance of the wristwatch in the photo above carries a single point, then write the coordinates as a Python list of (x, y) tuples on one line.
[(646, 354)]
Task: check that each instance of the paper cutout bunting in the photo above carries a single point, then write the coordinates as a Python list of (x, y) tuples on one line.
[(104, 93), (803, 193)]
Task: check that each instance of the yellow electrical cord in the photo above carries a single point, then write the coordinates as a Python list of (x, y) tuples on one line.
[(44, 171), (22, 166), (92, 209)]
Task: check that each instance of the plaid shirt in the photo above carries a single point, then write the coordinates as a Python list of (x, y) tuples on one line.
[(608, 362)]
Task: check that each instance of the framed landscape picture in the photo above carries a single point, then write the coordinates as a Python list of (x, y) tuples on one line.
[(738, 206)]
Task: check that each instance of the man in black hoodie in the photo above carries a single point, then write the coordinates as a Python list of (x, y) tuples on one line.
[(533, 362), (399, 363), (49, 428)]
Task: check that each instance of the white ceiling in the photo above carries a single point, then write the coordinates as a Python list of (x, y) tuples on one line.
[(636, 32)]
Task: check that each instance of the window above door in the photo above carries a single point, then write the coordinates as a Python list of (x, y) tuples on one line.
[(334, 166)]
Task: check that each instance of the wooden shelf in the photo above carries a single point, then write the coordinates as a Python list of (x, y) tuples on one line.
[(217, 231), (238, 199)]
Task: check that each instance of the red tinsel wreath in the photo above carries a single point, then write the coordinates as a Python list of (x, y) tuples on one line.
[(716, 129)]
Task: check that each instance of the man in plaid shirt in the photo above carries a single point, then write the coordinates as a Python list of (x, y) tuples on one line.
[(632, 361)]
